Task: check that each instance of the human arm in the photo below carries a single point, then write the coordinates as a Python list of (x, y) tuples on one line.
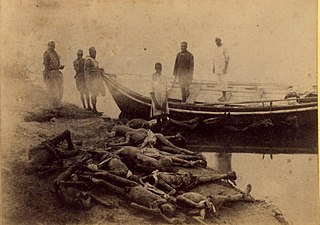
[(76, 66), (153, 97), (227, 58), (87, 64), (46, 61), (165, 102), (156, 212), (176, 66), (213, 66), (182, 200), (126, 142), (191, 65)]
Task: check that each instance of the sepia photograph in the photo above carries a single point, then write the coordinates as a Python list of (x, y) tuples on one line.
[(159, 112)]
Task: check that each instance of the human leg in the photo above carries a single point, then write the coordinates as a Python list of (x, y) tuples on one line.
[(166, 142), (188, 84), (223, 83), (87, 95), (82, 99), (66, 135), (94, 102), (189, 124), (182, 83), (216, 177), (60, 85), (113, 188), (156, 212), (109, 177)]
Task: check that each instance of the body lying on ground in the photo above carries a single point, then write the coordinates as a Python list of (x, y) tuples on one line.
[(171, 124), (42, 156), (150, 159), (72, 192), (156, 202), (171, 182), (142, 137)]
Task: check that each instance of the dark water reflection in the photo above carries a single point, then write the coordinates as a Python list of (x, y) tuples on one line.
[(290, 181)]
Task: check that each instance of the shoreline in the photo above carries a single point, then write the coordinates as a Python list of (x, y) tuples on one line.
[(27, 196)]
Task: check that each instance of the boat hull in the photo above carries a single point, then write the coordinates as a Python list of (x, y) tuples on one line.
[(134, 105)]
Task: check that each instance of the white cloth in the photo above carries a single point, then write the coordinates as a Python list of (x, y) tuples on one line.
[(220, 57), (159, 87), (222, 82)]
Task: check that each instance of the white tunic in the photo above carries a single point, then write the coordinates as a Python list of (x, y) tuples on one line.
[(159, 87), (220, 57)]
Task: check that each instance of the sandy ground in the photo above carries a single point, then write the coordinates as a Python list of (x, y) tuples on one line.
[(28, 200)]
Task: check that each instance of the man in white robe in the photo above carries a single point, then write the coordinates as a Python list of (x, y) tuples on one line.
[(220, 66)]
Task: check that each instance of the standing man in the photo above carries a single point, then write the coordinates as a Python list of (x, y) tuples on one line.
[(220, 66), (93, 78), (52, 75), (78, 66), (183, 69)]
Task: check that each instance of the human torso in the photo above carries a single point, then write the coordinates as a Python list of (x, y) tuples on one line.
[(51, 60), (138, 135), (121, 130), (175, 179), (142, 196), (219, 56), (117, 167), (91, 65), (184, 62), (79, 66), (159, 83), (195, 197)]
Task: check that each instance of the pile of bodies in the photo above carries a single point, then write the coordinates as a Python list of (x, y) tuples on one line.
[(146, 168)]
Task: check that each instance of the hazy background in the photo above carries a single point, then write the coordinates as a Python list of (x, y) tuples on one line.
[(268, 40)]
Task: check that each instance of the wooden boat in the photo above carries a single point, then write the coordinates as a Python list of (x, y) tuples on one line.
[(247, 103)]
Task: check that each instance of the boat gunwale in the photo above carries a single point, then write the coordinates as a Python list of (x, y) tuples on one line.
[(175, 105)]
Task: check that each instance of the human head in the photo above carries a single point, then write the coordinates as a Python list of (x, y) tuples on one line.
[(73, 197), (51, 45), (80, 53), (92, 52), (158, 67), (165, 164), (184, 46), (168, 209), (150, 124), (218, 41)]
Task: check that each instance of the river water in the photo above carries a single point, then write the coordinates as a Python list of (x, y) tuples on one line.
[(290, 181)]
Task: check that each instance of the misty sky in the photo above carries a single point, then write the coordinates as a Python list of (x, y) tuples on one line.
[(268, 40)]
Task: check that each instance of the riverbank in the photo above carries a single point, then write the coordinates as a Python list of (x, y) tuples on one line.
[(27, 119)]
